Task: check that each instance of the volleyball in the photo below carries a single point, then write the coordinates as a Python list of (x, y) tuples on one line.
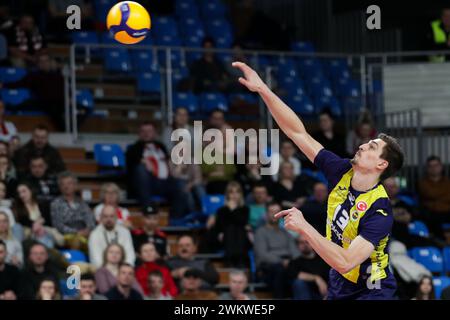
[(128, 21)]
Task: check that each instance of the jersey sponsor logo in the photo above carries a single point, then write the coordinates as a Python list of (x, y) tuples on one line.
[(361, 206), (338, 233), (384, 213)]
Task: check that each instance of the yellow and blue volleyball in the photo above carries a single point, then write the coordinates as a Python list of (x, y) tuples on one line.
[(128, 21)]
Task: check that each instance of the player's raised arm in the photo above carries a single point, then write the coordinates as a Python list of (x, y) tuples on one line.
[(287, 120)]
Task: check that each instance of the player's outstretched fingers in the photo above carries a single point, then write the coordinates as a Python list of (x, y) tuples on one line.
[(282, 214)]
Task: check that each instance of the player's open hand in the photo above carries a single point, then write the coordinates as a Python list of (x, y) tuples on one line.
[(293, 219), (251, 79)]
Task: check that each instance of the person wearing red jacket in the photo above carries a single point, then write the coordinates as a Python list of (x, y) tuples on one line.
[(149, 257)]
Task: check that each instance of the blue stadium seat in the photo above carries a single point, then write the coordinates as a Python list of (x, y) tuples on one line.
[(320, 88), (101, 9), (225, 57), (15, 97), (328, 102), (291, 84), (418, 228), (210, 101), (9, 74), (176, 58), (186, 9), (165, 26), (218, 27), (348, 88), (210, 203), (301, 104), (109, 155), (317, 175), (187, 100), (168, 40), (212, 9), (260, 62), (178, 75), (193, 41), (117, 60), (224, 41), (149, 82), (143, 60), (430, 257), (286, 66), (440, 283), (446, 254), (64, 289), (246, 97), (84, 37), (85, 99), (310, 67), (108, 38), (73, 256), (302, 46)]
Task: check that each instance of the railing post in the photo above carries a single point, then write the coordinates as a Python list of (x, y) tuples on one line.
[(74, 93), (65, 72), (169, 86)]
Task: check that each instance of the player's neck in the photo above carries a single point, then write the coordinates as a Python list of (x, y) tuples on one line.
[(363, 182)]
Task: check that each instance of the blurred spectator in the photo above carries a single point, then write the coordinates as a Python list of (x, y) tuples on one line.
[(7, 128), (8, 175), (407, 271), (14, 144), (14, 247), (180, 121), (438, 35), (148, 168), (291, 191), (151, 262), (47, 84), (48, 290), (9, 276), (110, 195), (150, 231), (258, 208), (106, 276), (315, 208), (156, 285), (425, 290), (185, 259), (25, 42), (363, 133), (238, 284), (232, 226), (434, 195), (124, 289), (308, 274), (327, 135), (274, 248), (28, 209), (208, 73), (6, 22), (445, 294), (4, 147), (190, 286), (88, 289), (44, 182), (237, 55), (109, 231), (249, 175), (38, 145), (5, 204), (70, 215), (287, 154), (38, 268)]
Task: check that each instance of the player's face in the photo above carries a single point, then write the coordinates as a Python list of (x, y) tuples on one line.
[(368, 157)]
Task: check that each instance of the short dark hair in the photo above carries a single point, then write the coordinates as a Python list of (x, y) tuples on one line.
[(125, 264), (208, 40), (215, 111), (87, 277), (189, 236), (433, 158), (326, 111), (259, 185), (37, 157), (393, 154), (147, 123), (155, 273), (41, 127)]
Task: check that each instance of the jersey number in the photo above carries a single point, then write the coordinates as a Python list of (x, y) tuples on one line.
[(341, 219)]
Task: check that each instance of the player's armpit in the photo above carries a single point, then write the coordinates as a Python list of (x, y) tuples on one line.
[(307, 144), (359, 251)]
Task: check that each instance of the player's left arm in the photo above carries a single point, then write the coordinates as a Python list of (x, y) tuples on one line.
[(340, 259)]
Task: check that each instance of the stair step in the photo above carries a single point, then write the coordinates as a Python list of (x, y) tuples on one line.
[(82, 166), (72, 153)]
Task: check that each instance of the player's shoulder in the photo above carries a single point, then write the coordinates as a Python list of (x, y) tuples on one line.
[(382, 206)]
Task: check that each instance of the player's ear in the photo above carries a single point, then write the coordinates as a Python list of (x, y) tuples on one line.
[(382, 164)]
